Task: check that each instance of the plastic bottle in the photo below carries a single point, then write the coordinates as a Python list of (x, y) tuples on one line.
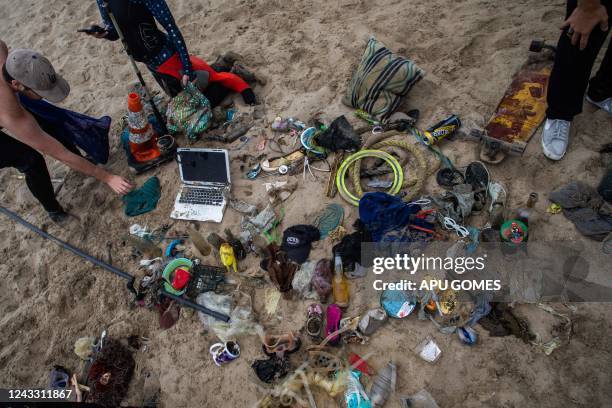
[(383, 385), (142, 136), (340, 284), (355, 396)]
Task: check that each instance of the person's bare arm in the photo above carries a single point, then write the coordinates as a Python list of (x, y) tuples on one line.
[(23, 126), (3, 52), (584, 19)]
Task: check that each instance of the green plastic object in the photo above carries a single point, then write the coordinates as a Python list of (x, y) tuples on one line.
[(167, 274), (514, 231)]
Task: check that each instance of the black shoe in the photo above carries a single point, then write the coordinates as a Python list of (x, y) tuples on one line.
[(225, 62), (58, 217)]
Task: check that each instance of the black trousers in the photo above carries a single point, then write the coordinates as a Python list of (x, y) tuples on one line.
[(31, 163), (572, 70)]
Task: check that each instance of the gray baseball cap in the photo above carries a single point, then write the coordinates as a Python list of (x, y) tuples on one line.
[(35, 71)]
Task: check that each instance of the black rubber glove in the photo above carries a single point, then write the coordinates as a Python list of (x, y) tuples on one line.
[(249, 97)]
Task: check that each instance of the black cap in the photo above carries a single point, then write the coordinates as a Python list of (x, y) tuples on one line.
[(297, 241)]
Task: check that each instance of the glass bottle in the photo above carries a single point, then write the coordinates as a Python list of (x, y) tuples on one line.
[(340, 284)]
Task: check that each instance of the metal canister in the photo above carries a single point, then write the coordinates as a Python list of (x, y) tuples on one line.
[(442, 129), (532, 199)]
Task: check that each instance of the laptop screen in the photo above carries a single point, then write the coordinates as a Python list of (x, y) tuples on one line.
[(204, 166)]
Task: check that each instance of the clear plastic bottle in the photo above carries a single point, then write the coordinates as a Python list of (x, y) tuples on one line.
[(340, 287)]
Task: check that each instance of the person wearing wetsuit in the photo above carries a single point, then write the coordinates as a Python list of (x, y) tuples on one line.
[(165, 54)]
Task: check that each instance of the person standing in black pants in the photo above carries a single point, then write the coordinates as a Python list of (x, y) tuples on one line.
[(584, 33), (30, 74)]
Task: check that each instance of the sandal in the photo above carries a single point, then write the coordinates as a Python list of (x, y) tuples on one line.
[(477, 175), (329, 219), (279, 345), (314, 324), (351, 335), (334, 314)]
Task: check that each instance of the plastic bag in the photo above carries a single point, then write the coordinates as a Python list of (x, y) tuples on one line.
[(339, 136), (241, 315), (302, 281), (189, 112)]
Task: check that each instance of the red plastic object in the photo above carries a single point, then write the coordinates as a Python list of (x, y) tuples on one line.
[(359, 364), (180, 279)]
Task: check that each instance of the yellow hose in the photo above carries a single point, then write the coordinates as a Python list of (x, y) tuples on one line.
[(415, 182), (398, 174)]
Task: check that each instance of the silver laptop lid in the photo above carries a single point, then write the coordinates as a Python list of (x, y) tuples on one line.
[(204, 167)]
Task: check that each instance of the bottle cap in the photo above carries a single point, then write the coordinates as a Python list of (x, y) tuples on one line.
[(134, 104)]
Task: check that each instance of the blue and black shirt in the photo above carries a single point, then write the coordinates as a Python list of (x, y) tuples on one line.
[(146, 42)]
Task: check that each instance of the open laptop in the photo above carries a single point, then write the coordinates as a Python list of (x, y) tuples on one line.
[(205, 177)]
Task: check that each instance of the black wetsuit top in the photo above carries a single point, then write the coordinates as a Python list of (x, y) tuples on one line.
[(146, 42)]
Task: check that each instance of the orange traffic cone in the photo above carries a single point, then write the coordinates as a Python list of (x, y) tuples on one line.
[(142, 137)]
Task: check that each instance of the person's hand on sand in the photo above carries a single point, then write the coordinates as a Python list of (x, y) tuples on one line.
[(118, 184), (77, 391), (583, 20)]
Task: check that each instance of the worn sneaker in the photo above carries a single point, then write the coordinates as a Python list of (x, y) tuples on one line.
[(605, 105), (555, 138)]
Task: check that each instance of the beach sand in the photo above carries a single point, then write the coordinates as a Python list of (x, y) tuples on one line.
[(307, 49)]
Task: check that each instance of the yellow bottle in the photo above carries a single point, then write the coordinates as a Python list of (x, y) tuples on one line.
[(228, 259), (340, 287)]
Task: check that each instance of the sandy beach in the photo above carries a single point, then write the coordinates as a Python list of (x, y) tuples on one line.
[(307, 50)]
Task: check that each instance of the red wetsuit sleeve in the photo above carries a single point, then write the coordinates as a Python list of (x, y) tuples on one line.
[(229, 80)]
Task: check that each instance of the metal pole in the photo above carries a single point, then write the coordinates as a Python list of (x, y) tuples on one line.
[(160, 120), (122, 274)]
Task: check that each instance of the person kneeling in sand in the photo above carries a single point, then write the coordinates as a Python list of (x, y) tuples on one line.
[(165, 54), (30, 74)]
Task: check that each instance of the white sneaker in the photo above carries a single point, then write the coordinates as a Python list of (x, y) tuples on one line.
[(555, 138), (605, 105)]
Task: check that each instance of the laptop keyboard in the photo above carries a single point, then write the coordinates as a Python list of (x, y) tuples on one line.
[(203, 196)]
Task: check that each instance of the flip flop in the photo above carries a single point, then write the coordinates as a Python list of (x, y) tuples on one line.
[(329, 219), (334, 315), (477, 175), (169, 312), (314, 324)]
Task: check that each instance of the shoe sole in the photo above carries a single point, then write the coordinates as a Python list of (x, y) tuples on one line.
[(597, 105)]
